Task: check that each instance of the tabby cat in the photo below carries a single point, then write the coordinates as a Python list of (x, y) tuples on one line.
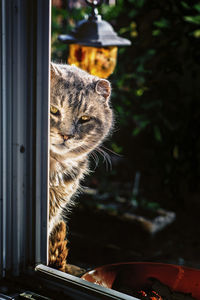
[(80, 119)]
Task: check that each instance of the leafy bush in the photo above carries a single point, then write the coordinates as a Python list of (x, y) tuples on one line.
[(155, 94)]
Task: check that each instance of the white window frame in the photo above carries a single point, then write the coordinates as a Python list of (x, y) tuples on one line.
[(24, 130)]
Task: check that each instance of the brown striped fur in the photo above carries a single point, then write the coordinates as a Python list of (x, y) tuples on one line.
[(74, 94)]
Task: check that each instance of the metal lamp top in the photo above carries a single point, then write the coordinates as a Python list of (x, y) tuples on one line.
[(94, 31)]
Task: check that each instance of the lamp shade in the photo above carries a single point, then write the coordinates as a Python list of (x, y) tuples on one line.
[(93, 44), (94, 32), (97, 61)]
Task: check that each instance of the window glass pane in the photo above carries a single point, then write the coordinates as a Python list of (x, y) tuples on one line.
[(144, 177)]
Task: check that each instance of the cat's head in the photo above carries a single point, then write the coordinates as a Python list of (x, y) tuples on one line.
[(80, 115)]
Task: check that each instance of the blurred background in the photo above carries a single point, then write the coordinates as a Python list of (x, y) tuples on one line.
[(142, 202)]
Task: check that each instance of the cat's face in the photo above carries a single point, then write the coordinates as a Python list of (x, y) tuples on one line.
[(80, 116)]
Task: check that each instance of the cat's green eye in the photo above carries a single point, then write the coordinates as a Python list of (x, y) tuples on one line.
[(54, 110), (85, 118)]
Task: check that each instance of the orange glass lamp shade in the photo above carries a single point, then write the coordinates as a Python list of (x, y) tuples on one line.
[(93, 43), (96, 61)]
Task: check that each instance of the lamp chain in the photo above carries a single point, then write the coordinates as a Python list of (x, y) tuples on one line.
[(94, 3)]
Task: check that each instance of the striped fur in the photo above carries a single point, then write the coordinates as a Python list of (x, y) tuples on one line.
[(74, 94)]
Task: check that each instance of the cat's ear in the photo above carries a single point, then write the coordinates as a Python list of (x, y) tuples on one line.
[(54, 71), (103, 88)]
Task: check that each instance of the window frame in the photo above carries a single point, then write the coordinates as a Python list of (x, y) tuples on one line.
[(24, 131)]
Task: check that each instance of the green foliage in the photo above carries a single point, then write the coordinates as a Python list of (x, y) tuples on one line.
[(162, 23), (63, 21), (192, 19), (155, 89)]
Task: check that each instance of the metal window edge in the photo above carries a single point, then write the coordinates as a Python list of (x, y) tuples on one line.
[(24, 125), (76, 286)]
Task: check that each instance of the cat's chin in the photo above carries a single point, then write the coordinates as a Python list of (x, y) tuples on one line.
[(61, 153), (59, 148)]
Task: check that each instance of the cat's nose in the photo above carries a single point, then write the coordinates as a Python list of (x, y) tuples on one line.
[(67, 137)]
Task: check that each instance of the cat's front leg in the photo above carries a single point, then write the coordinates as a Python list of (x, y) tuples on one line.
[(58, 251), (58, 247)]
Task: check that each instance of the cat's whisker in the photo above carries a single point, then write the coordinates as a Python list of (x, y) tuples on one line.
[(95, 158), (106, 158), (111, 151)]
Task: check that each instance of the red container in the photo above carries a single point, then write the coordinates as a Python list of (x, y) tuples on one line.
[(136, 276)]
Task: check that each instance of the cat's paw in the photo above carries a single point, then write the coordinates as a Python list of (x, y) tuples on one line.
[(74, 270)]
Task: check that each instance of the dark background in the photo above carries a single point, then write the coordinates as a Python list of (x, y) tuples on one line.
[(156, 140)]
